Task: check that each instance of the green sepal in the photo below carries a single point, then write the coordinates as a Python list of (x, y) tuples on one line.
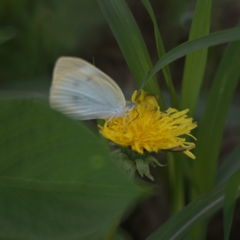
[(143, 168), (130, 161), (153, 161)]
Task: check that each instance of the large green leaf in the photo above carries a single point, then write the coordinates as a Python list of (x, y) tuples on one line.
[(193, 45), (183, 221), (57, 180)]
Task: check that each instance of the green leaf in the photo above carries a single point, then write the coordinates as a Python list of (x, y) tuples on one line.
[(161, 52), (229, 166), (130, 40), (195, 63), (231, 193), (183, 221), (211, 128), (193, 45), (57, 180)]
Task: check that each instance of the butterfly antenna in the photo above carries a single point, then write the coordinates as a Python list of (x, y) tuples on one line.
[(135, 117)]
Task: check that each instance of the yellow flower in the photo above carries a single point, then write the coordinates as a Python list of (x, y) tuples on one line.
[(147, 128)]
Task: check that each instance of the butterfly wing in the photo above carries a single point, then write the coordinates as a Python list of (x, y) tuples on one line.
[(83, 92)]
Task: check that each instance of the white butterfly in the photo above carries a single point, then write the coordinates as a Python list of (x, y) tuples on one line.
[(82, 91)]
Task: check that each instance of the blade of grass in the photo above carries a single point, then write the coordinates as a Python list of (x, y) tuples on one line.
[(195, 63), (129, 38), (183, 221), (212, 126), (194, 68), (231, 193), (229, 166), (193, 45), (161, 52)]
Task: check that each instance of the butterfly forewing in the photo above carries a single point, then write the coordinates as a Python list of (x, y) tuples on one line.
[(83, 92)]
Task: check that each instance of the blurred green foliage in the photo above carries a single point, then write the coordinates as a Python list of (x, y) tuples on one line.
[(39, 31)]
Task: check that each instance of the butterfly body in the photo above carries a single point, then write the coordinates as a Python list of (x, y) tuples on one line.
[(82, 91)]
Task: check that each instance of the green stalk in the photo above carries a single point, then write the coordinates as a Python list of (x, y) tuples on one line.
[(176, 185)]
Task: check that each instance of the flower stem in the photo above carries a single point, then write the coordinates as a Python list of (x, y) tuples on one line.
[(176, 185)]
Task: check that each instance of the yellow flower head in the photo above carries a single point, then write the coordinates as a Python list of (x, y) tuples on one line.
[(147, 128)]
